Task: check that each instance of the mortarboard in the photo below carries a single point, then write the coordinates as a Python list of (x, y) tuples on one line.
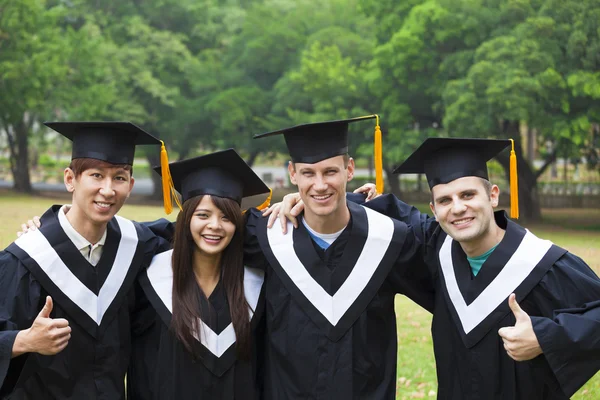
[(314, 142), (443, 160), (223, 174), (113, 142)]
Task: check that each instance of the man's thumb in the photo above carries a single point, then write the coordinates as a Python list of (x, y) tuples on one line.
[(47, 309), (520, 315)]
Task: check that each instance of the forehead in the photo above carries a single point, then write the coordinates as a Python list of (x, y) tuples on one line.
[(206, 203), (108, 168), (457, 186), (333, 162)]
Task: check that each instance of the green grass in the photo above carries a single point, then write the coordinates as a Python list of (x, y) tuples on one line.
[(572, 229)]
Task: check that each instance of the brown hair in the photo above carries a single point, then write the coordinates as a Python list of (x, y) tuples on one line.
[(79, 165), (186, 291)]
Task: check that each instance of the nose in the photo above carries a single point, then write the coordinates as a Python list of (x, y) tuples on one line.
[(458, 206), (106, 188), (320, 185), (214, 223)]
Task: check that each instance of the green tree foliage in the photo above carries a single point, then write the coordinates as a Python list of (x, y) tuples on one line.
[(209, 74)]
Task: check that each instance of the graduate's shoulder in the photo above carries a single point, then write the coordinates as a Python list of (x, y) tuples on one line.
[(150, 232), (571, 276), (12, 271)]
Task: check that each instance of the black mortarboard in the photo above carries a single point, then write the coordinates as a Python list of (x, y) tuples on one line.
[(113, 142), (223, 173), (311, 143), (443, 160)]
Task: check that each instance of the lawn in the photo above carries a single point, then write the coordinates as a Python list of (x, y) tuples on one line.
[(576, 230)]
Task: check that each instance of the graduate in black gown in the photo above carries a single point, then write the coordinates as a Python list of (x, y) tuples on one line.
[(196, 336), (488, 345), (331, 283), (66, 290)]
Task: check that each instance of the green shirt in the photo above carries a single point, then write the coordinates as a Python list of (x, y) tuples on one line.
[(477, 262)]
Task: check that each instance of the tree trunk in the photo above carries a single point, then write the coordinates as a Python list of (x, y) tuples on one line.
[(529, 205), (530, 144), (393, 180), (153, 157), (18, 142), (252, 157)]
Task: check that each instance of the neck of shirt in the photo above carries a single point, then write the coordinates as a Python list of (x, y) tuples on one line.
[(477, 262), (324, 240)]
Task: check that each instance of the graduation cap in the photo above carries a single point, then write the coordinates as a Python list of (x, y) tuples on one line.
[(443, 160), (113, 142), (223, 174), (314, 142)]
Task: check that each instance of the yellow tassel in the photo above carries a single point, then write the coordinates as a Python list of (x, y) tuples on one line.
[(514, 185), (378, 147), (267, 202), (167, 182)]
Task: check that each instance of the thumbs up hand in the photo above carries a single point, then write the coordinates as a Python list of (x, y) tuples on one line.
[(47, 336), (520, 341)]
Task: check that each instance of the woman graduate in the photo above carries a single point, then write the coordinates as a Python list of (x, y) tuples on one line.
[(195, 336)]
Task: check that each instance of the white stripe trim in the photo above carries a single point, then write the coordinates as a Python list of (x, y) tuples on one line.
[(381, 230), (160, 275), (40, 250), (529, 253), (120, 267)]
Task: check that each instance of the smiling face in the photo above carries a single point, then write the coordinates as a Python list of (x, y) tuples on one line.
[(98, 193), (211, 230), (465, 209), (322, 186)]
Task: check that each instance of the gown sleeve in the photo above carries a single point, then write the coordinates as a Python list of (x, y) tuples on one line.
[(253, 255), (422, 224), (568, 331), (411, 276), (19, 301), (162, 228)]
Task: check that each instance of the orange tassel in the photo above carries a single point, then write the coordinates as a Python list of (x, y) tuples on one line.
[(167, 182), (514, 185), (378, 148), (267, 202)]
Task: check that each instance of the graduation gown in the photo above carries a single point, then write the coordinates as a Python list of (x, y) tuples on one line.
[(330, 321), (96, 301), (557, 289), (162, 368)]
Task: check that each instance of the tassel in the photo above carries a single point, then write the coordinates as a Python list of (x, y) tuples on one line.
[(167, 182), (378, 148), (514, 185), (267, 202)]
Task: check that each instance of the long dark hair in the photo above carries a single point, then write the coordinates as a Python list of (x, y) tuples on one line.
[(186, 291)]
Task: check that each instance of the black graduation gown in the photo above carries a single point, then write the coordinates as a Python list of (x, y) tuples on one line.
[(331, 326), (557, 289), (96, 301), (161, 366)]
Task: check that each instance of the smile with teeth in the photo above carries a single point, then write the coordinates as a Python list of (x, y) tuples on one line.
[(103, 205), (462, 221), (321, 197), (212, 238)]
